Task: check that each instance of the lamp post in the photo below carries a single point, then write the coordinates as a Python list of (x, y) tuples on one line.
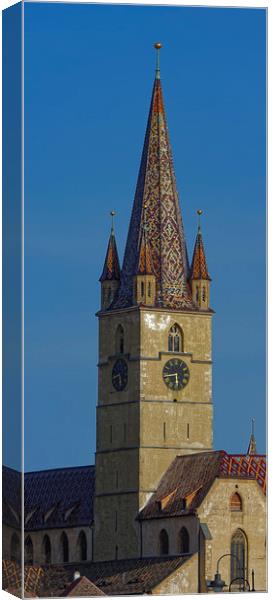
[(217, 584)]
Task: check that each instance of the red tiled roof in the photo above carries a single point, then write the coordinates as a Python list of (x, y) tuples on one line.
[(126, 577), (12, 578), (189, 478), (199, 269), (111, 269), (82, 587)]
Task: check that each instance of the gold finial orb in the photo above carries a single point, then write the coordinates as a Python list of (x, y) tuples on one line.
[(112, 213), (199, 212), (157, 45)]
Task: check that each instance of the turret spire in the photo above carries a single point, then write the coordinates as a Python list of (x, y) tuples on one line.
[(110, 277), (200, 279), (252, 442), (156, 189), (111, 268), (199, 269)]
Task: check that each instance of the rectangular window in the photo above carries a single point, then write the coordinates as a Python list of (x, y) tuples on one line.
[(188, 431), (116, 521), (164, 431)]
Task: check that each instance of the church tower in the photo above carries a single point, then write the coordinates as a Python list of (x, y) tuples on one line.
[(155, 396)]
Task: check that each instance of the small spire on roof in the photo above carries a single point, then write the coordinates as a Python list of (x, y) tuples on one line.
[(252, 442), (199, 269), (111, 269), (157, 46)]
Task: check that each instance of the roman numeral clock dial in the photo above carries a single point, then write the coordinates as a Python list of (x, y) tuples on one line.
[(176, 374)]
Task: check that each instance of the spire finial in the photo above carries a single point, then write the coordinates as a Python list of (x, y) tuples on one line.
[(157, 46), (199, 212), (113, 214), (252, 426)]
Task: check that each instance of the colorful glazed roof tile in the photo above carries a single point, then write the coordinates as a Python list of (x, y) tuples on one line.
[(189, 478), (199, 269), (111, 269), (156, 200), (53, 498), (12, 578), (145, 261)]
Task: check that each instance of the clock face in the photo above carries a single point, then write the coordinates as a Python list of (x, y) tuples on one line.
[(176, 374), (120, 374)]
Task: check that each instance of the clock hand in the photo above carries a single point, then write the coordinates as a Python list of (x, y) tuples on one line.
[(116, 376), (170, 375)]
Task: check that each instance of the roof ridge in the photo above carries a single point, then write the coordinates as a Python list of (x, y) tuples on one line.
[(59, 469)]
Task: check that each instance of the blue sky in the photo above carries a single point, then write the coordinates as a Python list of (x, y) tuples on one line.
[(89, 73)]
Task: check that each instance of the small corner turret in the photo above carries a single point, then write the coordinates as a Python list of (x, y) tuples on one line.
[(200, 279), (110, 277)]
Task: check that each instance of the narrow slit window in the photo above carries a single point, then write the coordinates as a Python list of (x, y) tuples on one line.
[(142, 289), (204, 294), (149, 289), (116, 521), (188, 431), (164, 431)]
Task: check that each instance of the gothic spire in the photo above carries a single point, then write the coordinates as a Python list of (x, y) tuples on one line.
[(111, 269), (156, 189), (199, 269), (252, 441)]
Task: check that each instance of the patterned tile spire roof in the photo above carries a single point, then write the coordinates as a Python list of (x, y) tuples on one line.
[(156, 190), (199, 269), (111, 269), (145, 261)]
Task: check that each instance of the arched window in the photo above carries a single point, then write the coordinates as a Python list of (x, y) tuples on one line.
[(184, 541), (64, 548), (197, 294), (149, 289), (163, 542), (109, 296), (15, 547), (82, 546), (142, 289), (46, 550), (235, 502), (28, 551), (204, 294), (238, 560), (175, 339), (120, 340)]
